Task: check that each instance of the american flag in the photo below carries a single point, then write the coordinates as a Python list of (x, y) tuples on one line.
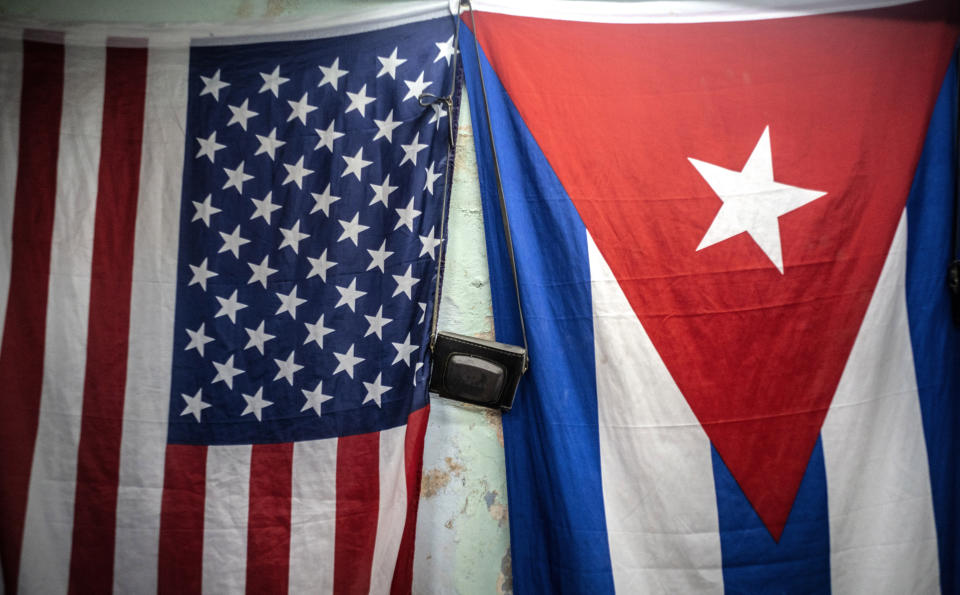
[(217, 270)]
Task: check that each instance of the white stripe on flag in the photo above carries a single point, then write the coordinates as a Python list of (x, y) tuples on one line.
[(393, 508), (11, 73), (313, 516), (48, 529), (328, 23), (676, 11), (225, 516), (152, 297), (657, 471), (882, 533)]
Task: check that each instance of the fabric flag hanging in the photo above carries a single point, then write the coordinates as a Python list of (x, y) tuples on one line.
[(217, 264), (744, 375)]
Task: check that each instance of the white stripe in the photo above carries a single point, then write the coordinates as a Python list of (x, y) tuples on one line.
[(11, 75), (48, 529), (333, 23), (152, 297), (393, 508), (313, 516), (658, 491), (676, 11), (882, 533), (225, 511)]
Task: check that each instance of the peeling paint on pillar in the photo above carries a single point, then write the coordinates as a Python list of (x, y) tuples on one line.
[(463, 543), (505, 580)]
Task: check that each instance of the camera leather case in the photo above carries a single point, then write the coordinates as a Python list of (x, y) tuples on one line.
[(476, 371)]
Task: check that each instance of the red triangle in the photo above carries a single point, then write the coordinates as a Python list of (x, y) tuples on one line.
[(619, 109)]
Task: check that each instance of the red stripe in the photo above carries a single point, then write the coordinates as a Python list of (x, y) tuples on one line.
[(413, 465), (21, 353), (358, 506), (268, 536), (98, 458), (180, 566)]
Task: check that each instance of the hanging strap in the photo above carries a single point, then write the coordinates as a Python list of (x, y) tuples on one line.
[(447, 100), (500, 195)]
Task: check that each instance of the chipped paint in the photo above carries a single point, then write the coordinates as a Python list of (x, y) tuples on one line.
[(436, 479), (496, 422), (497, 510), (455, 467), (462, 532), (505, 580)]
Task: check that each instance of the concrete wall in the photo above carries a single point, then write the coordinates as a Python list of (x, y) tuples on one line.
[(462, 534)]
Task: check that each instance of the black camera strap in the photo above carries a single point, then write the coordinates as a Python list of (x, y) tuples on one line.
[(500, 195), (447, 100)]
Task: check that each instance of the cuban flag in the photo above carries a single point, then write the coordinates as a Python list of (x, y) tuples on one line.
[(218, 259), (732, 227)]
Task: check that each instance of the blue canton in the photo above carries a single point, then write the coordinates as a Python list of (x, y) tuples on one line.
[(309, 229)]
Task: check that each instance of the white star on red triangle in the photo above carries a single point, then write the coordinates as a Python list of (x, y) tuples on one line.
[(752, 201)]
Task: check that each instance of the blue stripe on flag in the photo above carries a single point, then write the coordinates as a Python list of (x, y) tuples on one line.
[(935, 338), (569, 554), (752, 561)]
